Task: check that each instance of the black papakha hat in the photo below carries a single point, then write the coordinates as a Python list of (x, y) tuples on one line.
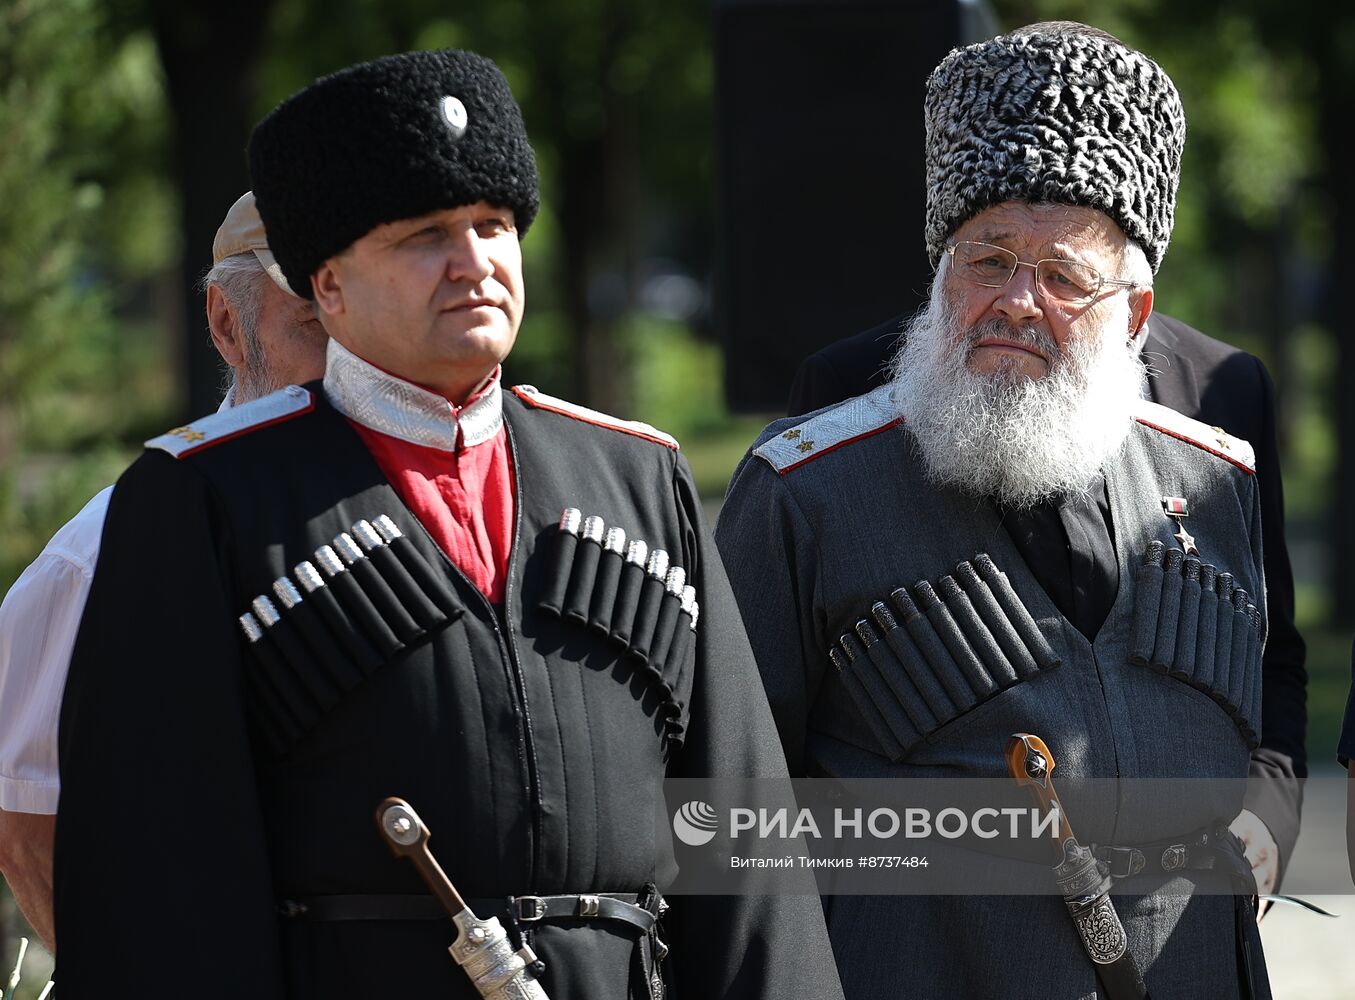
[(1058, 112), (385, 140)]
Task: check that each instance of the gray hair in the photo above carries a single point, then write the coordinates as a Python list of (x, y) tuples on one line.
[(1136, 266), (240, 278)]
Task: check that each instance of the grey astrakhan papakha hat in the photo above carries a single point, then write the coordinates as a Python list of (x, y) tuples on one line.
[(1055, 112), (390, 139)]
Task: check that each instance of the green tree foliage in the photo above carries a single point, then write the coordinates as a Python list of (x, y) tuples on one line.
[(616, 94), (83, 224)]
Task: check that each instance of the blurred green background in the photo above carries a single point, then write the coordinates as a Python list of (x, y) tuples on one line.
[(111, 118)]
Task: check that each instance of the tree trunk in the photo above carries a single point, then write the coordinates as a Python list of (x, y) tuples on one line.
[(209, 54), (1336, 109)]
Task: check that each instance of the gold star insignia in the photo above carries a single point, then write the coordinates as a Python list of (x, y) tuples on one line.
[(1186, 539), (791, 435), (805, 446), (188, 434)]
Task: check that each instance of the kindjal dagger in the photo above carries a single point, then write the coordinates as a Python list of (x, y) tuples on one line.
[(481, 947), (1084, 884)]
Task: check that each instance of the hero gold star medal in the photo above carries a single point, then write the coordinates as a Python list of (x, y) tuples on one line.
[(1178, 509)]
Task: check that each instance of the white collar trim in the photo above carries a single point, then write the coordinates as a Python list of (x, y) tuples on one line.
[(390, 405)]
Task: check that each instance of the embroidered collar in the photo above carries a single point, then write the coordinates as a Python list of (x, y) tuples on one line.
[(390, 405)]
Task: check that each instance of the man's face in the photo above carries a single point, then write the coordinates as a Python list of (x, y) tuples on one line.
[(435, 299), (290, 337), (1013, 395), (285, 345), (1016, 330)]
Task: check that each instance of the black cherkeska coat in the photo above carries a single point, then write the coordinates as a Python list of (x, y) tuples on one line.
[(1220, 385), (196, 797)]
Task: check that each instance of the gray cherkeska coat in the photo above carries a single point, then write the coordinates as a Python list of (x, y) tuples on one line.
[(829, 514)]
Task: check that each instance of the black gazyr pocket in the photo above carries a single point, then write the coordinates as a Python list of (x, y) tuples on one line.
[(334, 621), (1193, 623), (936, 651), (629, 594)]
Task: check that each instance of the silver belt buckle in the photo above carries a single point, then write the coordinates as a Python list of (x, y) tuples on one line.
[(1174, 857), (531, 908)]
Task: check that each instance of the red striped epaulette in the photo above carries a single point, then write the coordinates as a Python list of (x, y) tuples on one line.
[(829, 430), (537, 399), (291, 401), (1214, 440)]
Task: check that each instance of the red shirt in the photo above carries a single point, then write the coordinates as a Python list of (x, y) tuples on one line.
[(463, 497)]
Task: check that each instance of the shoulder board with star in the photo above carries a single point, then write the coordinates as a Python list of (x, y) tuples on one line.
[(1214, 440), (831, 429), (285, 404), (537, 399)]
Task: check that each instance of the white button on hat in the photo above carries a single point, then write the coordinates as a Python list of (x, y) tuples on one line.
[(454, 113)]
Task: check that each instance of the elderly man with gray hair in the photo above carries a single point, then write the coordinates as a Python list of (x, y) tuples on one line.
[(1007, 538), (267, 338)]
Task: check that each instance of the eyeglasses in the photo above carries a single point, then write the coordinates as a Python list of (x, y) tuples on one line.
[(1062, 280)]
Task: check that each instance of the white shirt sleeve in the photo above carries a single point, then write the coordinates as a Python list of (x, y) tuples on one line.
[(38, 623)]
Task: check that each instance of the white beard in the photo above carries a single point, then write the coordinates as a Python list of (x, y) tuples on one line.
[(254, 379), (1005, 436)]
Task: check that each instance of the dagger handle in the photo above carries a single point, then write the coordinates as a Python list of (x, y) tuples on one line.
[(1030, 763), (408, 838)]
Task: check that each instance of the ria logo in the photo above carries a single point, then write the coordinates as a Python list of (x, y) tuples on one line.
[(695, 823)]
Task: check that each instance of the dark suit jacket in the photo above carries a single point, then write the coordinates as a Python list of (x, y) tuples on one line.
[(1220, 385)]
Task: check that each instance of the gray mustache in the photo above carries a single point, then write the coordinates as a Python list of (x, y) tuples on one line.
[(1026, 336)]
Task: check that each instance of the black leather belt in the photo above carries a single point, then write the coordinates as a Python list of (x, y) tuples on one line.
[(620, 906), (598, 906), (1198, 851)]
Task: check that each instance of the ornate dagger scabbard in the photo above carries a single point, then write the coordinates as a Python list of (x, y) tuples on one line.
[(481, 947), (1084, 885)]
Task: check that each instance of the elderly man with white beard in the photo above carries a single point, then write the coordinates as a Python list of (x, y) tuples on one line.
[(1008, 538)]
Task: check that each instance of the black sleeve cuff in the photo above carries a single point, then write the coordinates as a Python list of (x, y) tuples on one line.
[(1276, 797)]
